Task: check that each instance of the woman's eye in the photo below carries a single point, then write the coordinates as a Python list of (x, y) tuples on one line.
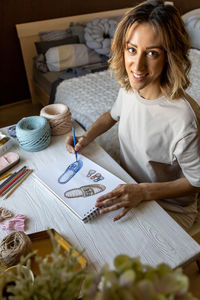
[(131, 50), (153, 53)]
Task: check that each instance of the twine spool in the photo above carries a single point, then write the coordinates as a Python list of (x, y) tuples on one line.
[(59, 118), (13, 246), (33, 133)]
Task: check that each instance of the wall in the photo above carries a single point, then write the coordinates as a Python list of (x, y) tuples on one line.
[(14, 85)]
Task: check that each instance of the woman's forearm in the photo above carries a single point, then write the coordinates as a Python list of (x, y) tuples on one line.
[(102, 124), (171, 189)]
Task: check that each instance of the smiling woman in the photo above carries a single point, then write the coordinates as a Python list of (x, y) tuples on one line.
[(162, 27), (158, 130)]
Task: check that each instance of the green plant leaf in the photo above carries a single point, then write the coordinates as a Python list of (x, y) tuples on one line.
[(127, 278)]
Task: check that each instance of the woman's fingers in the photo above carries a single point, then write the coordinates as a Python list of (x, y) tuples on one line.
[(100, 200), (81, 142), (122, 214), (69, 144), (112, 202), (110, 208), (109, 196), (108, 201)]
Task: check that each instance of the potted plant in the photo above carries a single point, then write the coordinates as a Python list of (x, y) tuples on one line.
[(131, 280), (60, 279)]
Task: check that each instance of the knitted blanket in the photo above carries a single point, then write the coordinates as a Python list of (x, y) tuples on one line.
[(88, 97)]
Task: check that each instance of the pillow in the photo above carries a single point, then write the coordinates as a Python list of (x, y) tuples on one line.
[(66, 56), (192, 25), (55, 35), (99, 34), (40, 63), (78, 30), (42, 47)]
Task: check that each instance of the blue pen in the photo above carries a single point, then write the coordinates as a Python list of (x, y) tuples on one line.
[(73, 131)]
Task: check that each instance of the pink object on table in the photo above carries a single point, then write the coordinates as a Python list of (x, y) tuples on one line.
[(7, 161), (17, 223)]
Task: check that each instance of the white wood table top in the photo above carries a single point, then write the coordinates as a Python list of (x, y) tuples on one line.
[(146, 231)]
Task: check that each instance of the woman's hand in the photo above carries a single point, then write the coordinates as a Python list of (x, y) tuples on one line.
[(81, 142), (130, 195), (124, 195), (102, 124)]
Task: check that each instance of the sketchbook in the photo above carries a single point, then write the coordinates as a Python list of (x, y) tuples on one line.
[(78, 183)]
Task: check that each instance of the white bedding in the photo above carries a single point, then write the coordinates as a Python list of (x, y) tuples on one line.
[(91, 95), (194, 75)]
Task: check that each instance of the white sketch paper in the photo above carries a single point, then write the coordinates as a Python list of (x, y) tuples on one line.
[(81, 206)]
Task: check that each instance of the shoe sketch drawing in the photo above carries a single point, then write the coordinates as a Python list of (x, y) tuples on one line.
[(95, 176), (85, 191), (70, 171), (98, 178), (90, 173)]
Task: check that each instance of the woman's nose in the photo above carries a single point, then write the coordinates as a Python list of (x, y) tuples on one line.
[(139, 63)]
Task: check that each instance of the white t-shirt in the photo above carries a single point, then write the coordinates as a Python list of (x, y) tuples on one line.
[(159, 142)]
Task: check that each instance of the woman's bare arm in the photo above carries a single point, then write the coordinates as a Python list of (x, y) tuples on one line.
[(102, 124)]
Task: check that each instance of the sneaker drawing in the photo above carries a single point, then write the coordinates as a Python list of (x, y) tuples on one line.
[(70, 171), (85, 191)]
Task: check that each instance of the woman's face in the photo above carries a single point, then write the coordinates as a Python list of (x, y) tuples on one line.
[(144, 59)]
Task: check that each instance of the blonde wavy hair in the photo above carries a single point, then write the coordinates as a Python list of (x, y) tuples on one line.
[(166, 19)]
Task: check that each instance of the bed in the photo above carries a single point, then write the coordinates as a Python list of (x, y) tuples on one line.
[(28, 34), (91, 95)]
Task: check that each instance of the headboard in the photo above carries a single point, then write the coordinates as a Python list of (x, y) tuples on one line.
[(28, 33)]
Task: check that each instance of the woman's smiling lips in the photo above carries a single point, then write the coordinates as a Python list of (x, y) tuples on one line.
[(139, 77)]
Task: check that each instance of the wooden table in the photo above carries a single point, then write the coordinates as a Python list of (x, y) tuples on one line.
[(147, 231)]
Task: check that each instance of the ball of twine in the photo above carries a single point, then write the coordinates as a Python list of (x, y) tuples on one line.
[(33, 133), (59, 118), (13, 246)]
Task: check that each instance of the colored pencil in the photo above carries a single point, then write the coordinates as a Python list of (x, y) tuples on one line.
[(15, 182), (18, 184), (8, 179), (5, 176), (19, 173), (74, 138)]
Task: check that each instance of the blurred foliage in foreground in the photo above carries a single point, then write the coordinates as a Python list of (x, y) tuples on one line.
[(61, 279)]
